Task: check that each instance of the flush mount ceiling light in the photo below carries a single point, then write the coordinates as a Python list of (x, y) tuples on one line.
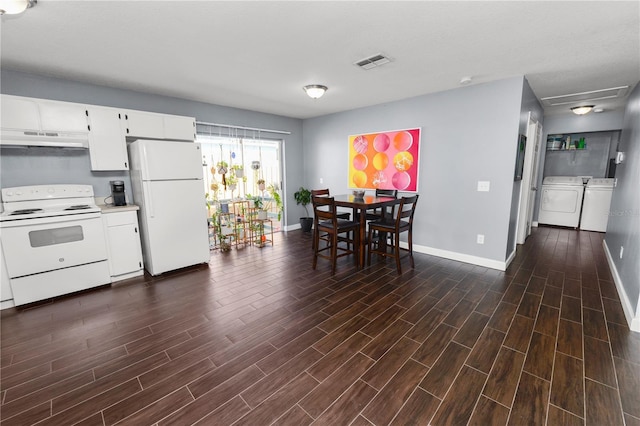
[(465, 80), (582, 109), (14, 7), (315, 91)]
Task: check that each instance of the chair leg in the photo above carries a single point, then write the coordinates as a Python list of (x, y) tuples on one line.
[(356, 248), (410, 242), (396, 252), (369, 246), (334, 252)]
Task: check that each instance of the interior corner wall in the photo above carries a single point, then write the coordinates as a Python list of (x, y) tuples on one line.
[(623, 228), (468, 135), (51, 165), (530, 104)]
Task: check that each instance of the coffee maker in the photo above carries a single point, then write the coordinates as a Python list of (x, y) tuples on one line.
[(117, 193)]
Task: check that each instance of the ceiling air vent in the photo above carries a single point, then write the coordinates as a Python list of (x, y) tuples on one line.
[(593, 95), (373, 61)]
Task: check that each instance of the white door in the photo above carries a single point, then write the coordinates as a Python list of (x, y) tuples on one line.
[(529, 177), (534, 177)]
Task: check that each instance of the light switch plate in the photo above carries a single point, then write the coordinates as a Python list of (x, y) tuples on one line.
[(480, 239), (484, 185)]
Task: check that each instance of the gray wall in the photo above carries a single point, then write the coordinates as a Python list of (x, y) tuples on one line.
[(623, 229), (571, 123), (468, 134), (38, 166), (592, 161)]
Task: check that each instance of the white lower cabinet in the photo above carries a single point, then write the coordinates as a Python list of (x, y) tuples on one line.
[(123, 244)]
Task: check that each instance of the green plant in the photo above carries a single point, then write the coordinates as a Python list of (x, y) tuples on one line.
[(303, 197), (257, 201), (222, 163), (231, 180), (275, 198), (260, 182)]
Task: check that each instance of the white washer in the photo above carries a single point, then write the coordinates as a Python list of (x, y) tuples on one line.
[(597, 201), (561, 201)]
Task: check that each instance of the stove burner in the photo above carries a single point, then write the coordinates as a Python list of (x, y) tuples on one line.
[(24, 211), (78, 207)]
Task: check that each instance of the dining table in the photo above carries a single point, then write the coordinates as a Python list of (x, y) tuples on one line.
[(360, 205)]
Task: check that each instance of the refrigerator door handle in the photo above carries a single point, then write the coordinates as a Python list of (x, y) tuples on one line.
[(148, 199)]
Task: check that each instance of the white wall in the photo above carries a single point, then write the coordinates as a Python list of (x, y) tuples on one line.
[(468, 134)]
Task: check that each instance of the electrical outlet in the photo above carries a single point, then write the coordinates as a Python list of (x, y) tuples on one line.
[(480, 239), (484, 185), (321, 180), (621, 251)]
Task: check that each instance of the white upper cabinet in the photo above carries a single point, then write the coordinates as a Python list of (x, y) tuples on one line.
[(149, 125), (62, 116), (20, 113), (179, 128), (107, 142), (145, 125), (41, 122)]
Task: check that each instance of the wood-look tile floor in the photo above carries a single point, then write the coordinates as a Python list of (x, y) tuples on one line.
[(259, 338)]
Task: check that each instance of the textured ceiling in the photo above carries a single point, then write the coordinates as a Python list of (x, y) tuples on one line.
[(258, 55)]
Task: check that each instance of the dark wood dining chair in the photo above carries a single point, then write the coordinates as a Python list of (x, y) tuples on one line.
[(375, 214), (392, 227), (335, 230), (341, 215)]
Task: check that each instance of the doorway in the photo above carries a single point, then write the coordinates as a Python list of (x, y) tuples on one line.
[(529, 180)]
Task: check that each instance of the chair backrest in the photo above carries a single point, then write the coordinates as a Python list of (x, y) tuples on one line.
[(387, 193), (324, 208), (320, 192), (406, 209)]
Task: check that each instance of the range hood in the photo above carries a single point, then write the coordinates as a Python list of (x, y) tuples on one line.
[(27, 138)]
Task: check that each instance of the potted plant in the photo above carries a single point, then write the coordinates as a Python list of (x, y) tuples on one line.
[(223, 167), (303, 197), (273, 191), (232, 182), (261, 184), (238, 170)]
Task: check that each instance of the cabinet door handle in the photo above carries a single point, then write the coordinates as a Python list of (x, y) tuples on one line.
[(135, 229)]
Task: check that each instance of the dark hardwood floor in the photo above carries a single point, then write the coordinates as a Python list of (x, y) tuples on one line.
[(260, 338)]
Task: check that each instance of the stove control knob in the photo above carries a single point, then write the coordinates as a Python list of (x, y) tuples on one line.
[(9, 193), (18, 192), (51, 190)]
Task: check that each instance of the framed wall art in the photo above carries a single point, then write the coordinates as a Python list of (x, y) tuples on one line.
[(385, 160)]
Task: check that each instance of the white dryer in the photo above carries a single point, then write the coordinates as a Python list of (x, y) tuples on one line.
[(561, 201), (597, 201)]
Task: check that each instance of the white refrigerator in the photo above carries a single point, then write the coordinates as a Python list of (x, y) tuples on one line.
[(167, 185)]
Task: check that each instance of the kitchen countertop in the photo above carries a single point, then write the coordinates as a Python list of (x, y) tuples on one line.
[(108, 208)]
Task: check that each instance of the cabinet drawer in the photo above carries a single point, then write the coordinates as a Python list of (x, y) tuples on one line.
[(120, 218)]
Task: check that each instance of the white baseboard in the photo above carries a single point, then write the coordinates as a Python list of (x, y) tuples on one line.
[(627, 306), (6, 304), (461, 257), (291, 227)]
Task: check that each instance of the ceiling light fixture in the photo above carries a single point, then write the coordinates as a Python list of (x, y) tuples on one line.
[(582, 109), (315, 91), (15, 7), (465, 80)]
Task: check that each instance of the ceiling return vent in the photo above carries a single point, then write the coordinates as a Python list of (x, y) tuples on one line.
[(373, 61), (592, 95)]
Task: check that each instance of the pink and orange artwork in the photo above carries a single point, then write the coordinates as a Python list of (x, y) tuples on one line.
[(386, 160)]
